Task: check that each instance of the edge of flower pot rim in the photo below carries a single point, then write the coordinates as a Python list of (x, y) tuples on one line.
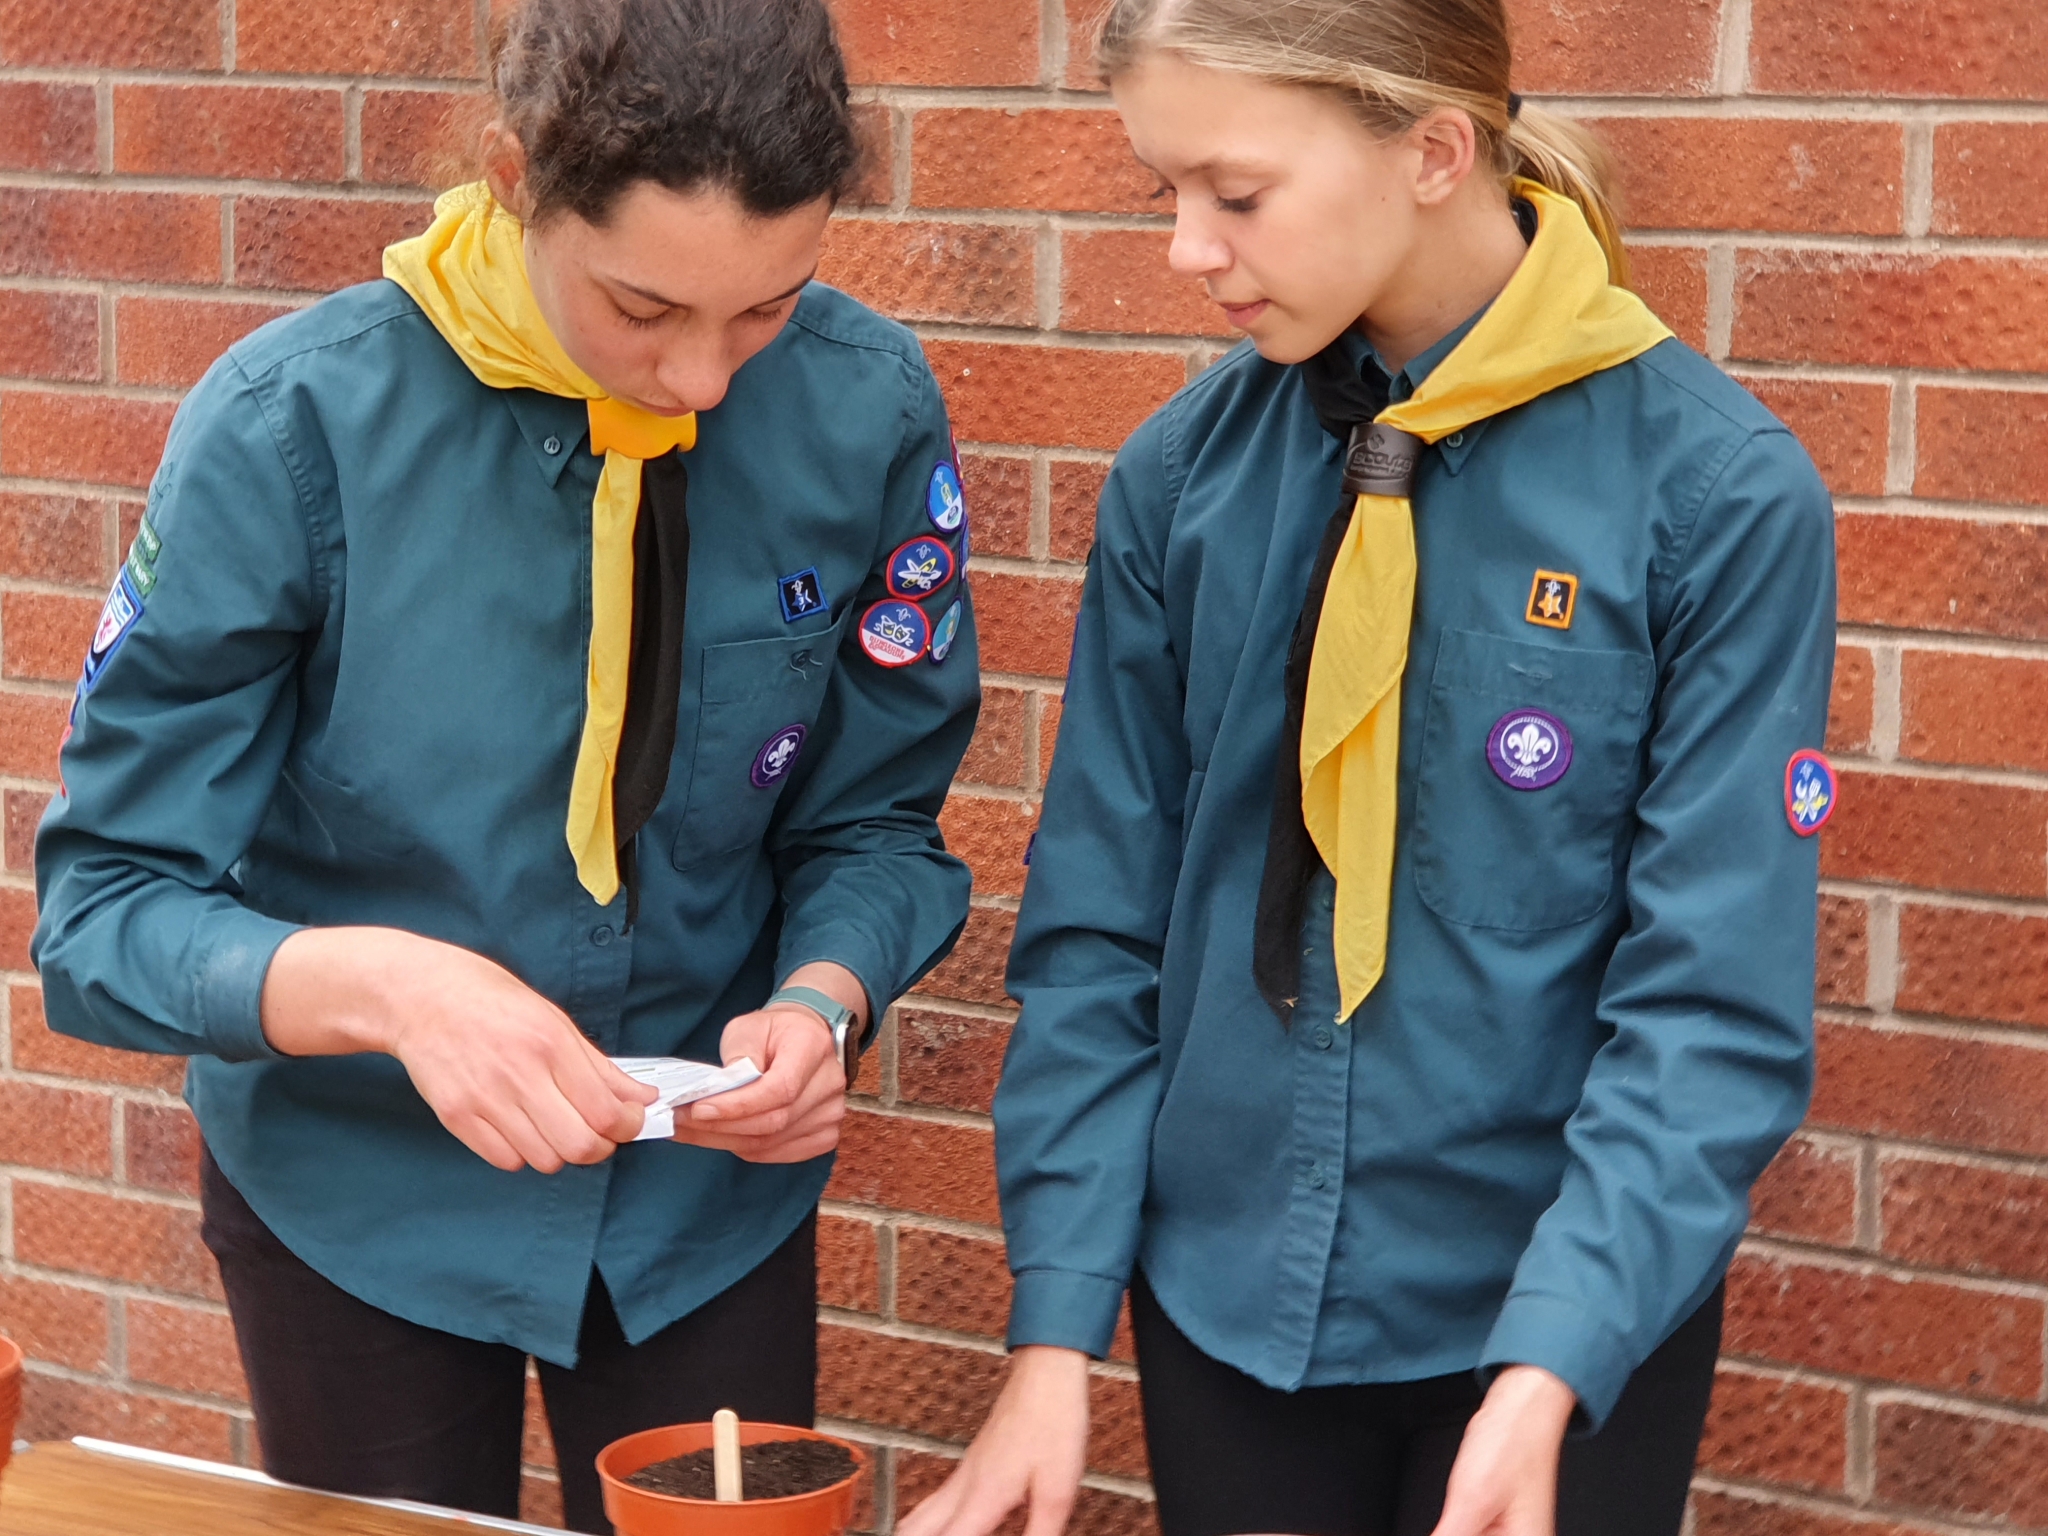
[(769, 1434)]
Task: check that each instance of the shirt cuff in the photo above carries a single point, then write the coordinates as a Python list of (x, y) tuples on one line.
[(1066, 1308), (227, 986), (842, 944), (1578, 1349)]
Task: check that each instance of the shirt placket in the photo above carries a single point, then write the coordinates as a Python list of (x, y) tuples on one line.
[(1321, 1051)]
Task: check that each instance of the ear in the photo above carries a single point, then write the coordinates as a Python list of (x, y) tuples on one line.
[(1447, 147), (504, 163)]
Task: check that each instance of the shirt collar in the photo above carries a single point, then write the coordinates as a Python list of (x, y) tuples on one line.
[(553, 426), (1403, 384)]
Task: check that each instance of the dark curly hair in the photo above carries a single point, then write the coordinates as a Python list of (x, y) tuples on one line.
[(748, 96)]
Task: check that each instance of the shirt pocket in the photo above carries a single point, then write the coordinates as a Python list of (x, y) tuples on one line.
[(753, 692), (1487, 855)]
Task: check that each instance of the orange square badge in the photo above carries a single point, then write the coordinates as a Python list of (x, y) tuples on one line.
[(1552, 597)]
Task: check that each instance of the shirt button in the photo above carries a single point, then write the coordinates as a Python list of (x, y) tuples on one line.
[(1316, 1179), (1323, 1038), (600, 936), (551, 445), (1455, 440)]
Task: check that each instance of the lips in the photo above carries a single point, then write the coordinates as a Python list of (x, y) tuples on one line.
[(1242, 315)]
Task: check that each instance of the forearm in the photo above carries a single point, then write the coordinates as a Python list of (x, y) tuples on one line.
[(335, 991)]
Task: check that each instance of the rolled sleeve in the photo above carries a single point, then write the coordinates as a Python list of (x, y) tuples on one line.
[(1067, 1309), (1709, 994)]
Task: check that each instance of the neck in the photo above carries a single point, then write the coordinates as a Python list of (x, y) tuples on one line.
[(1465, 251)]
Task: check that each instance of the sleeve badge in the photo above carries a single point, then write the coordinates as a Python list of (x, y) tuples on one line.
[(1810, 792)]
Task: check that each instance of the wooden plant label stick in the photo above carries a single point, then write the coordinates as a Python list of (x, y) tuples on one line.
[(725, 1456)]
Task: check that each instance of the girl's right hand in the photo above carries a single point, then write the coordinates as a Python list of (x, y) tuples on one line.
[(508, 1073), (1032, 1450)]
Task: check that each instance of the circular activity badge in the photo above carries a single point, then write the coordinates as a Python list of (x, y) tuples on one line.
[(919, 568), (1529, 749), (1810, 792), (944, 502), (946, 631), (894, 633), (777, 756)]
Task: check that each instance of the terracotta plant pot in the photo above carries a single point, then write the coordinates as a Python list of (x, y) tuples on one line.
[(10, 1396), (636, 1512)]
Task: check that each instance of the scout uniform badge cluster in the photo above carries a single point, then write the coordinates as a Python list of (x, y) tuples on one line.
[(910, 623)]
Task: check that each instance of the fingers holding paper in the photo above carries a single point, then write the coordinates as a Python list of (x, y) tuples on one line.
[(793, 1112)]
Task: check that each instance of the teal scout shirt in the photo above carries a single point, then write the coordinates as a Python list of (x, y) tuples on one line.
[(1534, 1141), (352, 693)]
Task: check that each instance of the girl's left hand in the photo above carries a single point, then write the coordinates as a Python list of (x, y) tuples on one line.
[(1504, 1482), (793, 1113)]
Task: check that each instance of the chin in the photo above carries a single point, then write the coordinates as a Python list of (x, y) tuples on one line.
[(1290, 344)]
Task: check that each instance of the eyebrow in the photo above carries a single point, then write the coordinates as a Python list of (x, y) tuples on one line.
[(667, 303)]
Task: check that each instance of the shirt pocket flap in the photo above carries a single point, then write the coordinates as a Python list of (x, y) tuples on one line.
[(1521, 672)]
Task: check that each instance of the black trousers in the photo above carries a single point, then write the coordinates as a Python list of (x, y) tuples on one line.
[(351, 1399), (1230, 1455)]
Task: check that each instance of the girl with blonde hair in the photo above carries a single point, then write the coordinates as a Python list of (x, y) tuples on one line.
[(1417, 963)]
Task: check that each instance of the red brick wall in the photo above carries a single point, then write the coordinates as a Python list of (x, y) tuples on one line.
[(1846, 201)]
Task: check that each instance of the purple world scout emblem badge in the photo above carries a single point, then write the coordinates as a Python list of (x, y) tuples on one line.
[(1529, 749), (777, 756)]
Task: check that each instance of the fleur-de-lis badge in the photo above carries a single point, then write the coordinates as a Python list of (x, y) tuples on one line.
[(1529, 749), (1529, 746), (1810, 792)]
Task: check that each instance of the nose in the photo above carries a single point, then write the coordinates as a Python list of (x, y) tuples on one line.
[(697, 377), (1195, 251)]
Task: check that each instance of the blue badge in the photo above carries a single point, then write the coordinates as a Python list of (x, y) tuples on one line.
[(920, 568), (946, 632), (777, 755), (945, 502), (1810, 792), (801, 595), (894, 633), (123, 608), (1529, 749)]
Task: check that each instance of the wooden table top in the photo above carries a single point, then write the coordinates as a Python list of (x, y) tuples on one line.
[(61, 1489)]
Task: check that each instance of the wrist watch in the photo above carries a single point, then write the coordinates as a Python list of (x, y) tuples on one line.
[(838, 1018)]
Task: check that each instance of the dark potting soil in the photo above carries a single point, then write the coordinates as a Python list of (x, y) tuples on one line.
[(775, 1469)]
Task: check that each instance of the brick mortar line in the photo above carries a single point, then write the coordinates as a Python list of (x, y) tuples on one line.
[(1835, 243), (182, 1395), (1910, 768), (1874, 1515), (36, 485), (1051, 455), (86, 74), (126, 1093), (160, 394), (1965, 1031), (78, 1183), (1921, 896), (212, 186), (1044, 340), (1006, 793), (102, 1285), (1890, 1149), (1950, 511), (122, 288), (1817, 109), (926, 1114), (38, 586), (889, 1215), (963, 1007), (1887, 1267), (1950, 645)]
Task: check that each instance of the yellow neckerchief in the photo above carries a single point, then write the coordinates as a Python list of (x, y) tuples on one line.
[(468, 272), (1558, 320)]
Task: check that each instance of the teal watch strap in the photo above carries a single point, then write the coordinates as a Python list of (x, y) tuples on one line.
[(839, 1018)]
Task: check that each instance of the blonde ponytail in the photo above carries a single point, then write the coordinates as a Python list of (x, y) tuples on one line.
[(1396, 61), (1566, 158)]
